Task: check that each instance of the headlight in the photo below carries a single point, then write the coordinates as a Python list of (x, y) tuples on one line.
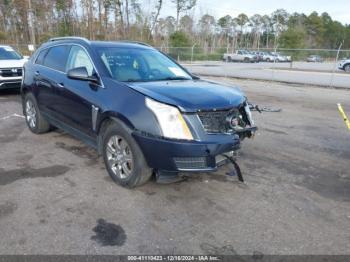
[(170, 120)]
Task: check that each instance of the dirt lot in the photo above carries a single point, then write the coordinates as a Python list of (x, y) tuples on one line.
[(56, 197)]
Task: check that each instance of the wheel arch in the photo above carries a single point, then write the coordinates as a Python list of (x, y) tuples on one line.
[(105, 120), (345, 65)]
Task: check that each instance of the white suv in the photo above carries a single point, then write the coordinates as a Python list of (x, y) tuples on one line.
[(344, 65), (11, 67)]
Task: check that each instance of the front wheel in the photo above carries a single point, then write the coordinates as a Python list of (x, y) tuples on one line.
[(35, 121), (347, 68), (123, 158)]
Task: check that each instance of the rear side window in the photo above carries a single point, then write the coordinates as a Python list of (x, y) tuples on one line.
[(56, 57), (41, 56)]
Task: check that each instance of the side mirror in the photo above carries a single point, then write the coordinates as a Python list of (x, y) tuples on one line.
[(81, 73)]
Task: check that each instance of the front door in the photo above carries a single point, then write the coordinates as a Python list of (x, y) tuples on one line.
[(80, 97)]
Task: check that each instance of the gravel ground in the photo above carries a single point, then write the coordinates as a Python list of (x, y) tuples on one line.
[(56, 197)]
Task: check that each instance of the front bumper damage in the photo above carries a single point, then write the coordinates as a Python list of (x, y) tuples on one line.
[(170, 157)]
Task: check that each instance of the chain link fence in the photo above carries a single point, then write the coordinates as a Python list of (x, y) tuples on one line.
[(188, 54), (209, 61)]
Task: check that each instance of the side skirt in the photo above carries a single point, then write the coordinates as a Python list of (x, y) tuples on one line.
[(88, 140)]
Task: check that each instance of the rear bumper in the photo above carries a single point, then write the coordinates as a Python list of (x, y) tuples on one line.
[(185, 156)]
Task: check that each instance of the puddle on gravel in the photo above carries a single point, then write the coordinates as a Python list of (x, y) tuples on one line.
[(81, 151), (108, 234), (10, 176)]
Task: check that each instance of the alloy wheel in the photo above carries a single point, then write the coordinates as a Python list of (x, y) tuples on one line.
[(31, 114), (119, 156)]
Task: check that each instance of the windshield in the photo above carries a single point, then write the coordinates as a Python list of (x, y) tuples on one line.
[(7, 53), (140, 65)]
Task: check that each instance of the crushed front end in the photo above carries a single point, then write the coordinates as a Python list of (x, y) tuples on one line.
[(217, 135)]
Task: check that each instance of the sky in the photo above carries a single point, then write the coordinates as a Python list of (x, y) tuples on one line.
[(338, 9)]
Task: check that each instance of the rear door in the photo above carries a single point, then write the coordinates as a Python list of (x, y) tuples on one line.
[(49, 77)]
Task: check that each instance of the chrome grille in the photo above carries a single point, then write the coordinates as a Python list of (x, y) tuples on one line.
[(11, 72)]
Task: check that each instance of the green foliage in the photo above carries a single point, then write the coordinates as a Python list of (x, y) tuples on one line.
[(3, 35), (293, 38), (179, 39)]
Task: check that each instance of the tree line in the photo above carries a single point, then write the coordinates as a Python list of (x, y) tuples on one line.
[(26, 21)]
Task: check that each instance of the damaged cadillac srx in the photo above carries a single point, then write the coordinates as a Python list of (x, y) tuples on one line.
[(143, 112)]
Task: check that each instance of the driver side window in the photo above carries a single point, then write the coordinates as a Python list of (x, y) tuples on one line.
[(79, 58)]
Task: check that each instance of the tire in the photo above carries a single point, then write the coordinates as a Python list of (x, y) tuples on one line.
[(229, 59), (123, 157), (34, 119), (347, 68), (246, 60), (268, 60)]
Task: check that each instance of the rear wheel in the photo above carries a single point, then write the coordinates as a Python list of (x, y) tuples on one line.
[(229, 59), (123, 158), (347, 68), (268, 60), (246, 60), (35, 121)]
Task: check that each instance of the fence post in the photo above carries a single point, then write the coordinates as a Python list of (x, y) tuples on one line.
[(192, 52), (335, 64)]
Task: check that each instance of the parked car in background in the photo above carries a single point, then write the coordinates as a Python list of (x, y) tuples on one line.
[(143, 112), (11, 66), (314, 59), (240, 56), (344, 65), (278, 57), (259, 55), (268, 57)]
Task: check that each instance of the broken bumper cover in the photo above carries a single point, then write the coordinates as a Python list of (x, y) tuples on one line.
[(185, 156)]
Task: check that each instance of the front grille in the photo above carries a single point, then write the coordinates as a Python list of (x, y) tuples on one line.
[(11, 72), (190, 163), (5, 85), (215, 122)]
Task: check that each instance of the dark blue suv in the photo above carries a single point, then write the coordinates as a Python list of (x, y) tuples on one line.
[(143, 112)]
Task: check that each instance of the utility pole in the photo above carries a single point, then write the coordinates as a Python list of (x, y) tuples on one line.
[(31, 22)]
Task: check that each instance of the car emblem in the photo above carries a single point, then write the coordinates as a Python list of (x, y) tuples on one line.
[(14, 70)]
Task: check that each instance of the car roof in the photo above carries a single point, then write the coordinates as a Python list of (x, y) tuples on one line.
[(86, 42), (128, 44)]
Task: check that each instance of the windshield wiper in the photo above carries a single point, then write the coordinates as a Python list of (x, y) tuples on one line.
[(135, 80), (174, 78)]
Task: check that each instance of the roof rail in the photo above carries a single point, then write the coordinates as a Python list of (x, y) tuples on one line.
[(69, 38), (134, 42)]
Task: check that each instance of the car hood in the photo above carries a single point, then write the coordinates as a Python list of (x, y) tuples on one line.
[(192, 95), (12, 63)]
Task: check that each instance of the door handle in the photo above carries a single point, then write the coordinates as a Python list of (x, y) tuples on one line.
[(60, 85), (37, 73)]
